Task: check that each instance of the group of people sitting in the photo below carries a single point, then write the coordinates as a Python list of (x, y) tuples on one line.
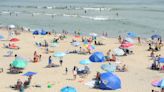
[(110, 56), (155, 45)]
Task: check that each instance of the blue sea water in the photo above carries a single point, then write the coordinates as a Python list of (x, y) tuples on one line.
[(145, 17)]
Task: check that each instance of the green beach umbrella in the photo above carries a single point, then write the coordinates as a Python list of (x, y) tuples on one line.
[(19, 63)]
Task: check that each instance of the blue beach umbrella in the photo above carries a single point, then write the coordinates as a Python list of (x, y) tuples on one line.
[(159, 83), (1, 37), (161, 60), (29, 74), (59, 54), (109, 81), (129, 40), (132, 34), (97, 57), (76, 43), (85, 62), (36, 32), (156, 36), (68, 89), (108, 67)]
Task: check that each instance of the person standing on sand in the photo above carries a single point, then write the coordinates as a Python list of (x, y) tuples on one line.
[(61, 62), (74, 72), (66, 70), (49, 60), (139, 40), (119, 38)]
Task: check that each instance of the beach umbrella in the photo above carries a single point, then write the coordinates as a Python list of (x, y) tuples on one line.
[(156, 36), (1, 37), (126, 45), (36, 32), (93, 34), (85, 62), (14, 40), (76, 43), (108, 67), (19, 63), (59, 54), (158, 83), (109, 81), (97, 57), (68, 89), (43, 32), (161, 60), (29, 74), (11, 26), (132, 34), (129, 40), (118, 52)]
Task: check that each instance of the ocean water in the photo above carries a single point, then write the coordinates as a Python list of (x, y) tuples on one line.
[(145, 17)]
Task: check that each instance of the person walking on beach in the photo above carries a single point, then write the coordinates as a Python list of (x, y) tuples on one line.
[(61, 62), (74, 72), (66, 70), (139, 40), (119, 38), (49, 60)]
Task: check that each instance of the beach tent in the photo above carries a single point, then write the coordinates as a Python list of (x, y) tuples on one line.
[(97, 57), (118, 52), (29, 74), (68, 89), (85, 62), (43, 32), (14, 40), (156, 36), (108, 67), (131, 34), (158, 83), (36, 32), (19, 63), (161, 60), (109, 81)]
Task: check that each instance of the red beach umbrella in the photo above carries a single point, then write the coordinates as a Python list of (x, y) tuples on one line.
[(126, 45), (14, 40)]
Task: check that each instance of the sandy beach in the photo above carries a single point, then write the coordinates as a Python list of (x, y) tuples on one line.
[(138, 78)]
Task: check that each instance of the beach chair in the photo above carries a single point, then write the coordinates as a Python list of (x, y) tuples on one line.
[(8, 54)]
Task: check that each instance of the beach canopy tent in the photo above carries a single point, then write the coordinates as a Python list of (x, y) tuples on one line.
[(68, 89), (85, 62), (43, 32), (29, 74), (76, 43), (11, 26), (109, 81), (118, 52), (158, 83), (161, 60), (131, 34), (93, 34), (14, 40), (126, 45), (108, 67), (128, 39), (156, 36), (59, 54), (36, 32), (97, 57), (19, 63)]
